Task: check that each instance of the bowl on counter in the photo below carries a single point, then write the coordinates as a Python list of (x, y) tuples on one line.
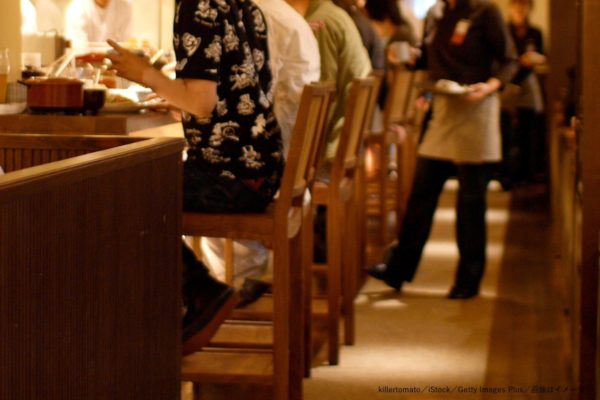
[(50, 94)]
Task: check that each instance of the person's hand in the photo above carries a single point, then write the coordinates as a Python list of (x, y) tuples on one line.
[(479, 91), (532, 58), (127, 64)]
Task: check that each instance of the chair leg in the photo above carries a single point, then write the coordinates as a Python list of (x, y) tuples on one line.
[(297, 316), (334, 252), (400, 183), (286, 344), (383, 192), (307, 261), (360, 191), (349, 272)]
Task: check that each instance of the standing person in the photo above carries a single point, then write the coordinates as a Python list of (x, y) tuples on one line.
[(528, 103), (97, 20), (469, 43), (234, 158)]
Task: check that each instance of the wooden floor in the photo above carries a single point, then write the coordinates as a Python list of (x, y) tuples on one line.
[(509, 343)]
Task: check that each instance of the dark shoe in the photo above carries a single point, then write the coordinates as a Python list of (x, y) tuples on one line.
[(381, 272), (459, 293), (251, 291), (213, 301)]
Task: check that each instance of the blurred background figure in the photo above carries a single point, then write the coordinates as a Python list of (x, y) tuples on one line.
[(524, 136), (389, 22), (394, 32), (97, 20), (368, 34), (49, 16)]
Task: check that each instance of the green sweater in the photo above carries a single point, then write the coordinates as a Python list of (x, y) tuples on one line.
[(343, 57)]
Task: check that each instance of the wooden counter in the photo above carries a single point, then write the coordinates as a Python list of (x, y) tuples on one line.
[(106, 124)]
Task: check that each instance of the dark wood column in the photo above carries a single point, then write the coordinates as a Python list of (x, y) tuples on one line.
[(590, 197)]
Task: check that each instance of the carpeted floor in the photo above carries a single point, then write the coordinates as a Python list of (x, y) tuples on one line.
[(506, 344)]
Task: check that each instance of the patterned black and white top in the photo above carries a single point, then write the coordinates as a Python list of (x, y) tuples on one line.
[(226, 41)]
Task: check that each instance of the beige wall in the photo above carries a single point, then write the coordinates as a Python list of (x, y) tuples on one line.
[(10, 34)]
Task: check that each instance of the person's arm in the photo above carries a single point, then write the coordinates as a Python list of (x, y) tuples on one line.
[(503, 51), (196, 96), (501, 44)]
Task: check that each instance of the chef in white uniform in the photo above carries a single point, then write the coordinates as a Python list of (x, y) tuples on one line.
[(98, 20)]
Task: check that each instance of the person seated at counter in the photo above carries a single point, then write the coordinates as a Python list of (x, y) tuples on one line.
[(98, 20), (235, 158)]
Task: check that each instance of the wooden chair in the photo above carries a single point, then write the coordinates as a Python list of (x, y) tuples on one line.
[(382, 193), (336, 192), (361, 178), (406, 153), (278, 360)]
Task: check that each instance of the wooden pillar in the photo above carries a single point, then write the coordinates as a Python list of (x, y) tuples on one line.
[(590, 177)]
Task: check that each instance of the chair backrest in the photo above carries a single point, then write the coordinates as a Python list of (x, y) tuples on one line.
[(355, 119), (398, 94), (413, 114), (306, 143), (378, 75)]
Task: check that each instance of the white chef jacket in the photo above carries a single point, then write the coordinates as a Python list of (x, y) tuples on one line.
[(49, 16), (87, 22), (295, 60)]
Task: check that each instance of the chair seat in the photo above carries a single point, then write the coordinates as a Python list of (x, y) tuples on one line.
[(225, 366), (244, 334), (252, 226)]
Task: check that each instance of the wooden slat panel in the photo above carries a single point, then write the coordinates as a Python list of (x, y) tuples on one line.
[(37, 157), (9, 161), (90, 277), (228, 367), (27, 158)]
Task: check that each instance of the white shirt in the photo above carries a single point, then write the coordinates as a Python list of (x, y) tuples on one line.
[(86, 22), (295, 61), (49, 16)]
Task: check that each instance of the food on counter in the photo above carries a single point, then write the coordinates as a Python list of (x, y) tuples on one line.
[(113, 97)]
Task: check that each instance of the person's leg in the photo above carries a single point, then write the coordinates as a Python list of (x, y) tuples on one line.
[(206, 300), (470, 228), (403, 259)]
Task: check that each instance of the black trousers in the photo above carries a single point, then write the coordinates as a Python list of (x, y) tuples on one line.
[(211, 193), (428, 183)]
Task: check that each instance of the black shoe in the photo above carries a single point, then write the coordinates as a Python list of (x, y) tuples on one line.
[(381, 272), (251, 291), (459, 293), (211, 303)]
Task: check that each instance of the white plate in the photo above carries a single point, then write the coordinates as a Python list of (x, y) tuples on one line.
[(12, 108), (122, 107), (155, 104)]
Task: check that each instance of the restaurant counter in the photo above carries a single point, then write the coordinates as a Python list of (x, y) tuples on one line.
[(103, 123)]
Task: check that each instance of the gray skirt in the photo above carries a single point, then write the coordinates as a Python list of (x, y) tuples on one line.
[(462, 131)]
